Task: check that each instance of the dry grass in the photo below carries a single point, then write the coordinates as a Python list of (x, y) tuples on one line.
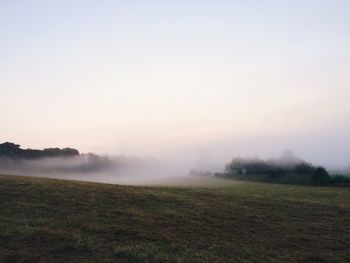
[(47, 220)]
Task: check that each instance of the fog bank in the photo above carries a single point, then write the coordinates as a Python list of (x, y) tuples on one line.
[(107, 169)]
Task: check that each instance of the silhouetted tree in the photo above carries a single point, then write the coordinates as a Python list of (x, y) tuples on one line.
[(13, 151), (321, 176), (304, 168)]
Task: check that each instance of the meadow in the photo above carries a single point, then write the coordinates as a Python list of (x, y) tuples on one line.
[(200, 220)]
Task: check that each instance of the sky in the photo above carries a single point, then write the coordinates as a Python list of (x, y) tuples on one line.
[(200, 80)]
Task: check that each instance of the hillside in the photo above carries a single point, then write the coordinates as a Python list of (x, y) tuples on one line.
[(219, 221)]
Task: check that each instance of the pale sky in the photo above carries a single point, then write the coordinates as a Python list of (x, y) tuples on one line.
[(210, 79)]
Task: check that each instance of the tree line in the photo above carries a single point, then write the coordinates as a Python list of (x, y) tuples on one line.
[(286, 169), (14, 151)]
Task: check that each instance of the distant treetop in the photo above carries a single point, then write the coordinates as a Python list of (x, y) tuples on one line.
[(14, 151)]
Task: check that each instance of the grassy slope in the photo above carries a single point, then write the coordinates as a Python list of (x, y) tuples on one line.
[(65, 221)]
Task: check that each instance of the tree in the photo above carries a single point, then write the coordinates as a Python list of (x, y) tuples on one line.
[(321, 176), (304, 168), (9, 149)]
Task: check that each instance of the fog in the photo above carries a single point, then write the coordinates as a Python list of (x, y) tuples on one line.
[(189, 85), (106, 169), (129, 170)]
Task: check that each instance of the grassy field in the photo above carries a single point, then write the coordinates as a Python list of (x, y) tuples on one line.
[(47, 220)]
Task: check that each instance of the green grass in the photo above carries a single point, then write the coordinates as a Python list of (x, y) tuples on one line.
[(47, 220)]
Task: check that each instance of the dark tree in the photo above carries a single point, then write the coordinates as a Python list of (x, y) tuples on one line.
[(321, 176), (13, 151)]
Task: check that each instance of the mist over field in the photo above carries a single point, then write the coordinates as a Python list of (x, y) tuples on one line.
[(175, 131), (175, 86), (69, 164), (107, 169), (192, 83)]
